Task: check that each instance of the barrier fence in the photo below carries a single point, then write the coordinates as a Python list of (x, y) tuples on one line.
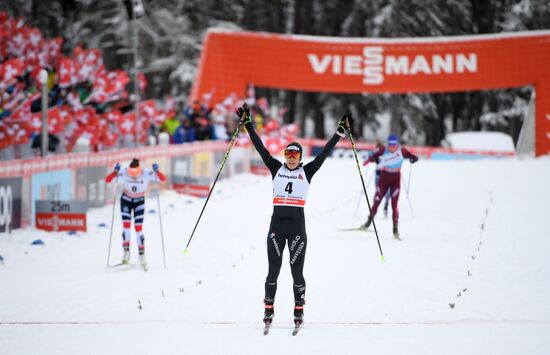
[(57, 184), (81, 177)]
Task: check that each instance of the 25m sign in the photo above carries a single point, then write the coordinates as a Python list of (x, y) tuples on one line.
[(61, 215)]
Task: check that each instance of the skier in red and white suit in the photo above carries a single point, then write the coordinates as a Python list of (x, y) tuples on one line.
[(389, 160), (135, 180)]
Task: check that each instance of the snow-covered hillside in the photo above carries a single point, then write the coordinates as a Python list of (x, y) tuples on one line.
[(470, 276)]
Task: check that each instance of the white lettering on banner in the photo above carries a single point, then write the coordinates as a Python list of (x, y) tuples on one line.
[(397, 65), (440, 64), (320, 67), (373, 65), (352, 65), (373, 56), (463, 63), (337, 65), (420, 65), (68, 222), (6, 207), (373, 76), (60, 222), (55, 219)]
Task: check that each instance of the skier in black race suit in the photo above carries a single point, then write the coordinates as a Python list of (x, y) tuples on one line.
[(291, 181)]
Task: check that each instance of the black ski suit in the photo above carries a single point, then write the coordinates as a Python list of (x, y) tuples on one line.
[(287, 221)]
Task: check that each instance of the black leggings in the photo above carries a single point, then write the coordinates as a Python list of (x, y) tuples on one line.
[(282, 230)]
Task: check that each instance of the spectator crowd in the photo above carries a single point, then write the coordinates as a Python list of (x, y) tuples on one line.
[(88, 102)]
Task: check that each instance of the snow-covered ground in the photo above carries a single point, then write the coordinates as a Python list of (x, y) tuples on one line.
[(488, 141), (478, 240)]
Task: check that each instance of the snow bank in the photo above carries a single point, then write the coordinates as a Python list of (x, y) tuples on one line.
[(489, 141)]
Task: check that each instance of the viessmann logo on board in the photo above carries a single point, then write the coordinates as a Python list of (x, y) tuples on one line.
[(374, 65)]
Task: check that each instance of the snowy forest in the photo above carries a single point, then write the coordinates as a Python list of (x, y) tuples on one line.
[(171, 32)]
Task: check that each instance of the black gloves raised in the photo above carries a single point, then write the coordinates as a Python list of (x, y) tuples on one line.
[(244, 114), (345, 123)]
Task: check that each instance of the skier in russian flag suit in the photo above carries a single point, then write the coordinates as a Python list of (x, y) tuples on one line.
[(291, 181), (377, 173), (390, 159), (135, 180)]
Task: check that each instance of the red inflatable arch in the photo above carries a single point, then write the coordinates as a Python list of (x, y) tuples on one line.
[(231, 60)]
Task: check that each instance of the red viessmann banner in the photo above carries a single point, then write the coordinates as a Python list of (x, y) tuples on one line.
[(61, 222), (231, 60), (61, 215)]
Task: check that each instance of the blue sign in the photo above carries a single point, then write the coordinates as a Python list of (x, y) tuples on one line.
[(52, 186)]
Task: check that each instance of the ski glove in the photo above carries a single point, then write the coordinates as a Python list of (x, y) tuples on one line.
[(117, 167), (413, 160), (244, 114), (345, 123), (155, 167)]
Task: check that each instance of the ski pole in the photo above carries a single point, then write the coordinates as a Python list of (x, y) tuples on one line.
[(368, 184), (407, 191), (357, 205), (214, 184), (161, 233), (365, 190), (409, 183), (359, 196), (370, 179), (112, 222)]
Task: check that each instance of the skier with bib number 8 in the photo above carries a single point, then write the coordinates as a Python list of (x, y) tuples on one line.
[(135, 180)]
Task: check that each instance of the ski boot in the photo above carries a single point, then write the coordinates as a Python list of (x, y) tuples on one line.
[(268, 314), (299, 312), (268, 311), (395, 231), (126, 256), (367, 224), (298, 315), (142, 260)]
